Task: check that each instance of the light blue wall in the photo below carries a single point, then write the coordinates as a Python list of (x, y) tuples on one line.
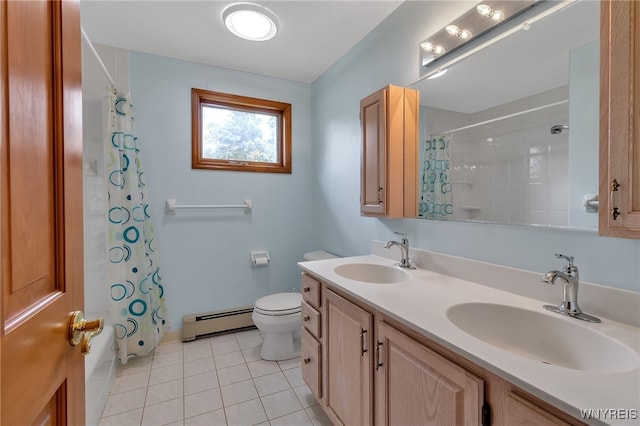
[(204, 257), (390, 55)]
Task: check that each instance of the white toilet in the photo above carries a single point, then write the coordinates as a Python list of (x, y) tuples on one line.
[(277, 316)]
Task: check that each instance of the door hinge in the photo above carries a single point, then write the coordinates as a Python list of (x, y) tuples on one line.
[(615, 187), (486, 415)]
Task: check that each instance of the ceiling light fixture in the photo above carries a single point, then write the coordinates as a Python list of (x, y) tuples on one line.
[(250, 21)]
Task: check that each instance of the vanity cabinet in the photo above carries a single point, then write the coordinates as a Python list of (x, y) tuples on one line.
[(389, 169), (347, 361), (620, 119), (366, 368)]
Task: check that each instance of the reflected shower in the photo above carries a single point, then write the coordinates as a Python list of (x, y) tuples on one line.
[(556, 130)]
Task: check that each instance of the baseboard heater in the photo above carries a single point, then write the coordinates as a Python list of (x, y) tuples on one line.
[(218, 322)]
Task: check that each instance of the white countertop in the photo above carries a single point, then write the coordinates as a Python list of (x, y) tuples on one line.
[(421, 303)]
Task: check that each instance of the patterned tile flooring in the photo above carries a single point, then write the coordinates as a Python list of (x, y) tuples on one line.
[(211, 382)]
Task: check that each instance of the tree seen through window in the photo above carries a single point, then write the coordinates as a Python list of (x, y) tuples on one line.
[(239, 136)]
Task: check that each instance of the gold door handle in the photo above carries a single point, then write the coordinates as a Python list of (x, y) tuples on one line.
[(81, 330)]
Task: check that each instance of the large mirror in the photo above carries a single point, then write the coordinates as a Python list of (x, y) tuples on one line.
[(510, 133)]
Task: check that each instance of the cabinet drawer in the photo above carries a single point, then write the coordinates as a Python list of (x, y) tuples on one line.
[(311, 354), (311, 320), (310, 290)]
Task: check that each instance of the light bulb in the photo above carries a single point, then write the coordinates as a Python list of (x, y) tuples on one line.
[(497, 15), (427, 46), (453, 30), (484, 10), (438, 50), (465, 34)]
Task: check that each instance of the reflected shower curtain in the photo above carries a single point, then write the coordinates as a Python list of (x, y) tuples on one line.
[(138, 306), (435, 191)]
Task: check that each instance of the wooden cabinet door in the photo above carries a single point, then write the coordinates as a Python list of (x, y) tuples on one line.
[(620, 119), (416, 386), (347, 343), (373, 117), (520, 412), (41, 280)]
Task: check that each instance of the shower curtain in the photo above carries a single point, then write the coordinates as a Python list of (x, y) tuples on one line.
[(435, 191), (138, 305)]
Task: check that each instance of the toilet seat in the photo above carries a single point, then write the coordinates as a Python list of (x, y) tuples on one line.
[(279, 304)]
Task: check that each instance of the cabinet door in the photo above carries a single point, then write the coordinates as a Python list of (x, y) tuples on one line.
[(348, 372), (373, 113), (520, 412), (620, 119), (416, 386)]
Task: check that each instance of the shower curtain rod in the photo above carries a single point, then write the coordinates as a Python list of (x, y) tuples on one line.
[(95, 53), (515, 114)]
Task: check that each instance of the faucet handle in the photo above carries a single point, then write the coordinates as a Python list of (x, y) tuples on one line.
[(569, 259), (403, 234), (569, 267)]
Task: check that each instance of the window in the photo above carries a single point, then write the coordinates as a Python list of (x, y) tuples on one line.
[(232, 132)]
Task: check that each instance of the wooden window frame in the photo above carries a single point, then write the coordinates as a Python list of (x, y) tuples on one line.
[(200, 98)]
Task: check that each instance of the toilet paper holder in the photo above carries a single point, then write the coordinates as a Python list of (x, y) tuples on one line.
[(260, 258)]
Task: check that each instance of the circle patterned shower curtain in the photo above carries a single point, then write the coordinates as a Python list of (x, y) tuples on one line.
[(138, 304)]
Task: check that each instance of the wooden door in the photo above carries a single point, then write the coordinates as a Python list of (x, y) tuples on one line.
[(416, 386), (41, 280), (347, 341), (373, 117), (620, 119)]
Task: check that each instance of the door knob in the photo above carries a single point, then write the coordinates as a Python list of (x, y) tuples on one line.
[(82, 330)]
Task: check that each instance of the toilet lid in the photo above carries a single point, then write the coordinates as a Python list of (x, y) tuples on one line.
[(279, 304)]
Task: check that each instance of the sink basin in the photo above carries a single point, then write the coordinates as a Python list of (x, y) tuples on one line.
[(543, 338), (371, 273)]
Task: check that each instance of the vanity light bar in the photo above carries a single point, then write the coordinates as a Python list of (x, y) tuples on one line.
[(473, 23), (525, 25)]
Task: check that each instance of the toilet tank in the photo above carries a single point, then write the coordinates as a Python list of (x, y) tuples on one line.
[(319, 255)]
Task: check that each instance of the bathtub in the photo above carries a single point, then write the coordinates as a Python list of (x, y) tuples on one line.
[(100, 372)]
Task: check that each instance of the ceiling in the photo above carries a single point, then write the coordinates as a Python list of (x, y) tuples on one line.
[(313, 35)]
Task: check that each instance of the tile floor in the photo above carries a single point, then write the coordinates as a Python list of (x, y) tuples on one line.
[(211, 382)]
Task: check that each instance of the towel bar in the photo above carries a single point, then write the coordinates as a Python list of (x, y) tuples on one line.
[(171, 206)]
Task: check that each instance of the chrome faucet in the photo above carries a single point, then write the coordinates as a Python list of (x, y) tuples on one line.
[(404, 247), (570, 279)]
